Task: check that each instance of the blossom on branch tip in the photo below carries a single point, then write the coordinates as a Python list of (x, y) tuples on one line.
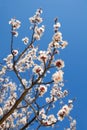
[(36, 18), (57, 37), (43, 56), (39, 11), (15, 23), (25, 40), (38, 32)]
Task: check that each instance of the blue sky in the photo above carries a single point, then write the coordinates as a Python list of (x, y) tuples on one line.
[(73, 17)]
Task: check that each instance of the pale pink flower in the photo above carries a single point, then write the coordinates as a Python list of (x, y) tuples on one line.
[(57, 37), (67, 109), (35, 19), (25, 40), (51, 119), (59, 64), (39, 30), (15, 23), (42, 89), (14, 33), (58, 76), (37, 69), (43, 56), (36, 36), (64, 111), (54, 44), (15, 52), (61, 114)]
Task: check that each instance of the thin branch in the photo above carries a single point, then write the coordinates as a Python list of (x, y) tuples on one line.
[(45, 83), (14, 106), (29, 46), (16, 72), (36, 114), (38, 127), (18, 76), (28, 123)]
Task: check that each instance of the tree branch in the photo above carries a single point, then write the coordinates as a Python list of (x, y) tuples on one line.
[(14, 106), (28, 123)]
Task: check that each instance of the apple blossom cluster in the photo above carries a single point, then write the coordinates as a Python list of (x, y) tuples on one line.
[(32, 81)]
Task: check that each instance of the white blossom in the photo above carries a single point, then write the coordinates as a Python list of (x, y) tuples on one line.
[(15, 23), (36, 36), (59, 64), (57, 37), (43, 56), (25, 40), (42, 89), (37, 69), (54, 44), (64, 111), (36, 18), (51, 119), (58, 76), (15, 52)]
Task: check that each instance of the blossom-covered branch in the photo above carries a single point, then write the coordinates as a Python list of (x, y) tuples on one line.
[(32, 81)]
